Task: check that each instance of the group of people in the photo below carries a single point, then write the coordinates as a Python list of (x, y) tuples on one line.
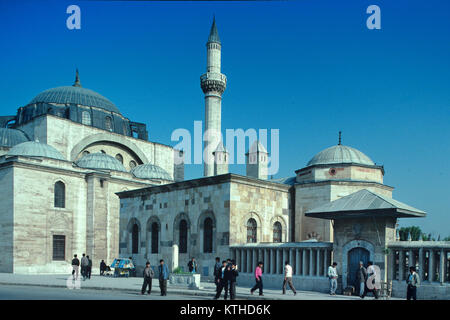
[(86, 267), (149, 274), (225, 276)]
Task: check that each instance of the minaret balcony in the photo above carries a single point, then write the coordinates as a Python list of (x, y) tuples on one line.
[(213, 82)]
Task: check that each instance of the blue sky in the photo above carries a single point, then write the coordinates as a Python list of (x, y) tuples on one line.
[(308, 68)]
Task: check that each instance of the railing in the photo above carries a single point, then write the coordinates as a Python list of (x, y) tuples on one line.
[(308, 259), (431, 259)]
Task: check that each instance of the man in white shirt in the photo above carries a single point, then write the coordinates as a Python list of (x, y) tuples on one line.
[(288, 278), (332, 275)]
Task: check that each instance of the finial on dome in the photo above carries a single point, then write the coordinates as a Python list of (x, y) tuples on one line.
[(77, 79), (340, 139)]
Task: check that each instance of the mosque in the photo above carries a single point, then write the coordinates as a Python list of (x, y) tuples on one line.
[(79, 177)]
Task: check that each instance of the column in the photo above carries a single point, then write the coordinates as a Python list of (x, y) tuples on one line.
[(266, 260), (318, 255), (325, 262), (391, 273), (243, 262), (410, 258), (421, 264), (249, 261), (431, 265), (285, 257), (311, 261), (304, 263), (292, 260), (401, 267), (277, 254), (297, 262), (442, 267), (255, 258), (233, 254), (273, 261)]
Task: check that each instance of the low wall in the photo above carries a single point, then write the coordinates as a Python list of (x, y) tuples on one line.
[(275, 281), (426, 291)]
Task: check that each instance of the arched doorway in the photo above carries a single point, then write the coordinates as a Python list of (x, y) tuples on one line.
[(356, 255), (135, 239)]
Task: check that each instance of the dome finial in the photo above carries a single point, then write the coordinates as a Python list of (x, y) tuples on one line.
[(77, 79), (340, 138)]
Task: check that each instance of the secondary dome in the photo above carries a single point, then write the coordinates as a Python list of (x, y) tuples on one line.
[(75, 95), (150, 171), (11, 137), (100, 161), (35, 149), (340, 154)]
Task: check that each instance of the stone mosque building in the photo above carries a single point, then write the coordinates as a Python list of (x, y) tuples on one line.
[(78, 176)]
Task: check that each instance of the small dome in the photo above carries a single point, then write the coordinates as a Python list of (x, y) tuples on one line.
[(340, 154), (75, 95), (150, 171), (35, 149), (11, 137), (100, 161)]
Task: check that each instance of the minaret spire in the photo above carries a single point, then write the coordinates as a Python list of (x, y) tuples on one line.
[(340, 138), (77, 79)]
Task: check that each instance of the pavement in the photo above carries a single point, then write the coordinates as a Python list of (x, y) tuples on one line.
[(133, 286)]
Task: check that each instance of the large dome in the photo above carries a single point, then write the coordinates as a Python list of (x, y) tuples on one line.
[(340, 154), (100, 161), (11, 137), (35, 149), (150, 171), (75, 95)]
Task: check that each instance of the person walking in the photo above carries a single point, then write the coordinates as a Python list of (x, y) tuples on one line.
[(163, 276), (102, 267), (192, 265), (288, 278), (258, 279), (75, 267), (84, 265), (232, 280), (413, 281), (148, 275), (89, 268), (217, 267), (361, 278), (332, 275), (372, 274), (222, 281)]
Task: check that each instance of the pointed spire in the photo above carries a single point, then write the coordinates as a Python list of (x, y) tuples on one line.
[(214, 34), (340, 138), (77, 79)]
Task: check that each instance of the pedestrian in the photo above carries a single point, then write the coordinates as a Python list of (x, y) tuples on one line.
[(258, 279), (192, 265), (89, 268), (84, 265), (102, 267), (75, 267), (232, 281), (148, 276), (163, 276), (217, 267), (332, 275), (288, 278), (372, 274), (132, 271), (361, 278), (413, 281), (223, 283)]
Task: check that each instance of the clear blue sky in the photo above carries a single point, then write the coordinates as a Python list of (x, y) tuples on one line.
[(309, 68)]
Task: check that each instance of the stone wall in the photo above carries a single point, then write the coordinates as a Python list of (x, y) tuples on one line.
[(7, 218)]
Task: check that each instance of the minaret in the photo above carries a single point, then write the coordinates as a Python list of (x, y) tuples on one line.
[(213, 84), (220, 160)]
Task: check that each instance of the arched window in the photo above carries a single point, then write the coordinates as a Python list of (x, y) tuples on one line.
[(86, 118), (277, 231), (108, 124), (132, 164), (60, 195), (155, 237), (251, 230), (183, 236), (208, 235), (135, 239), (119, 157)]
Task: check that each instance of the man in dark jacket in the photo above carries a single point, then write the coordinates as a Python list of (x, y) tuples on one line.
[(222, 282), (148, 276), (217, 267), (84, 265), (231, 276), (102, 267), (89, 268), (75, 267), (163, 276), (361, 278), (192, 265)]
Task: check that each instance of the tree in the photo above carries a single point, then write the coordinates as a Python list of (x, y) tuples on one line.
[(414, 231)]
